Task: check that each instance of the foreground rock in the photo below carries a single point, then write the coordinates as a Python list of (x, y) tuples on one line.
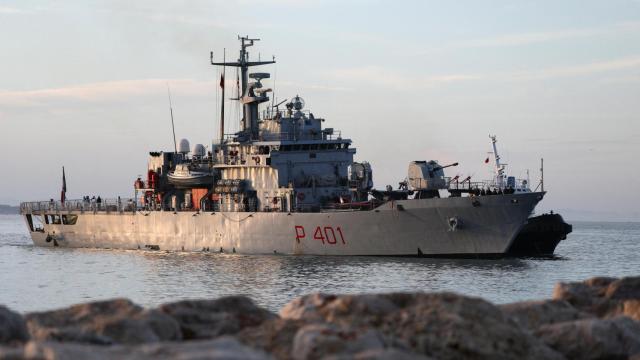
[(614, 338), (534, 314), (594, 319), (221, 348), (603, 297), (116, 321), (207, 319), (441, 325), (12, 327)]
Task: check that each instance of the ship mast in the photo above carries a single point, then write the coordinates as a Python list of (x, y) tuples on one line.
[(499, 167), (249, 100), (224, 68)]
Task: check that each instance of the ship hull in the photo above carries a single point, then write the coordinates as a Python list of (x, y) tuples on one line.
[(480, 226)]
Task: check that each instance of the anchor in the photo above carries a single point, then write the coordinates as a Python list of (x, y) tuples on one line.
[(51, 238)]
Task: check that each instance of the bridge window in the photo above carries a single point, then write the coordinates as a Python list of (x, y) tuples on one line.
[(35, 223), (69, 219)]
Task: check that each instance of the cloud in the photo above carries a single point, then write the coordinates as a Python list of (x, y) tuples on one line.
[(106, 91), (116, 91), (11, 10), (380, 76), (199, 14), (302, 86), (540, 37), (577, 70), (548, 36), (385, 77)]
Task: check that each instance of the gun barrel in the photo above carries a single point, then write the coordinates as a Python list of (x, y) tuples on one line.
[(444, 166)]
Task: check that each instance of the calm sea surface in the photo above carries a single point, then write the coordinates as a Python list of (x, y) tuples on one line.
[(33, 278)]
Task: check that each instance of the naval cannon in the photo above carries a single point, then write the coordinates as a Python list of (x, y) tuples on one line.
[(425, 178)]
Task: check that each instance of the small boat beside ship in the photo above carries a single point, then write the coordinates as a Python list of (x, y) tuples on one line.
[(540, 236), (284, 184)]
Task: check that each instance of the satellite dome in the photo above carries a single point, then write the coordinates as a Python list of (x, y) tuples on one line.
[(183, 148), (199, 150)]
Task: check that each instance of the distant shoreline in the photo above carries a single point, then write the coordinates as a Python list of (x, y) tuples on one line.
[(9, 210)]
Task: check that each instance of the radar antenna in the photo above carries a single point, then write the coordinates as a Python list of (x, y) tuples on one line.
[(244, 63), (298, 103)]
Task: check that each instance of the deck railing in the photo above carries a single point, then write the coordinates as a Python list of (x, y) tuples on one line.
[(106, 205), (520, 184), (126, 205)]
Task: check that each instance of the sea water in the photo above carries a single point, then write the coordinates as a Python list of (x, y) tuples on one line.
[(37, 278)]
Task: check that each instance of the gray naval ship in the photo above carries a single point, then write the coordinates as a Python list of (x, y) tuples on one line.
[(284, 184)]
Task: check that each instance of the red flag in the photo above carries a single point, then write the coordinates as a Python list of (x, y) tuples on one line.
[(222, 81), (486, 161)]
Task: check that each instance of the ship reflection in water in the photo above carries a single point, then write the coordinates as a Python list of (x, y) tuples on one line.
[(37, 278)]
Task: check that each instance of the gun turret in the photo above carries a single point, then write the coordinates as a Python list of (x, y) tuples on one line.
[(427, 175)]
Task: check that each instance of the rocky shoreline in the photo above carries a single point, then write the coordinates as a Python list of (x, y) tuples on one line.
[(595, 319)]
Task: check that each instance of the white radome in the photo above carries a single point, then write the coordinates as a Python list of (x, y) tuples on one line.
[(184, 147)]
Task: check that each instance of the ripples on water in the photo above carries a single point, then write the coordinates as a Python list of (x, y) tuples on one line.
[(34, 278)]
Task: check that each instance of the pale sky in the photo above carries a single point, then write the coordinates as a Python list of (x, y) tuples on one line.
[(84, 84)]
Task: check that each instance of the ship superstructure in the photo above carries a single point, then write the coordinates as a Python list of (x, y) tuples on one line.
[(286, 184), (280, 160)]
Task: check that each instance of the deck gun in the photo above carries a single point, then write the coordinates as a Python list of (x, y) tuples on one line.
[(440, 167)]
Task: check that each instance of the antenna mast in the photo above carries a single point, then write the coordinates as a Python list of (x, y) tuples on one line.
[(495, 152), (542, 174), (499, 167), (243, 62), (175, 145), (224, 70)]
